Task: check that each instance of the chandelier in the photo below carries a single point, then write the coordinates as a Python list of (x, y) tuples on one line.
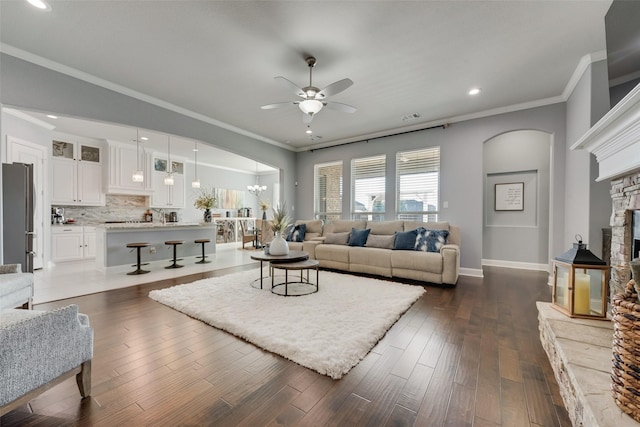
[(256, 189)]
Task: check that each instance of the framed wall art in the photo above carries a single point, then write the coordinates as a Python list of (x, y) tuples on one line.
[(509, 196)]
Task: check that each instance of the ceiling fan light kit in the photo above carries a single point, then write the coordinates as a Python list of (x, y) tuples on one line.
[(312, 97), (310, 106)]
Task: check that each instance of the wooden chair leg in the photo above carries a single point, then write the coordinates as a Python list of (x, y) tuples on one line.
[(83, 378)]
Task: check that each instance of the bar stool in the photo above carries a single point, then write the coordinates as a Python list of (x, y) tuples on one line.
[(138, 246), (175, 244), (203, 258)]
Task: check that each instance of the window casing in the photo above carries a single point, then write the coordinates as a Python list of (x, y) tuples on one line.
[(328, 182), (368, 181), (418, 184)]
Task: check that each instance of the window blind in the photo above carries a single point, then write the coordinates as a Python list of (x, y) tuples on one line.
[(368, 180), (418, 184), (328, 191)]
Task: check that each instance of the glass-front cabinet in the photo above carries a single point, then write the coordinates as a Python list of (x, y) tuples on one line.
[(77, 174), (167, 196)]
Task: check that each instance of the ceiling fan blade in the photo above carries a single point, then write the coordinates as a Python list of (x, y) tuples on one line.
[(306, 118), (334, 88), (277, 105), (345, 108), (289, 85)]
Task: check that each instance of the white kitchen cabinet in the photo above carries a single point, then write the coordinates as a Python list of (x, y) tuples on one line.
[(65, 181), (89, 240), (77, 174), (72, 243), (123, 161), (167, 196), (67, 243)]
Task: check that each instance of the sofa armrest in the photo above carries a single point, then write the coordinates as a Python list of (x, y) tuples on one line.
[(309, 246), (450, 264), (10, 268), (39, 346)]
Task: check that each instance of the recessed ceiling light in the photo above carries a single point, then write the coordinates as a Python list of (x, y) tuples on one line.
[(475, 91), (309, 131), (144, 138), (51, 116), (40, 4)]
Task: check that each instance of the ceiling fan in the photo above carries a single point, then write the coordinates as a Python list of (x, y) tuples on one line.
[(313, 99)]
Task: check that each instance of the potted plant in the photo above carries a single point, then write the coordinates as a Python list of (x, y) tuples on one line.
[(206, 200), (279, 223)]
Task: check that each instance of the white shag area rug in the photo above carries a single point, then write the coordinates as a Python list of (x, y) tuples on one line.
[(329, 331)]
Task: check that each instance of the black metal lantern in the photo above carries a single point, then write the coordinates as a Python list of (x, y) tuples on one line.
[(580, 287)]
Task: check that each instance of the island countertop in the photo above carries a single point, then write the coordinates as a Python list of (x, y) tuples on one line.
[(153, 225)]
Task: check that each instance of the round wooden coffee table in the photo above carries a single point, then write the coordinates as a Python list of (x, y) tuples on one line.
[(292, 256), (305, 287)]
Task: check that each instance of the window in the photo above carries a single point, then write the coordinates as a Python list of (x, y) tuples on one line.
[(328, 191), (368, 180), (418, 183)]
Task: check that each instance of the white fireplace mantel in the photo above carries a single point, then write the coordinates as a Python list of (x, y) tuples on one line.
[(615, 138)]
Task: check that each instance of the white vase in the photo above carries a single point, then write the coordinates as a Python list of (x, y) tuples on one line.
[(278, 245)]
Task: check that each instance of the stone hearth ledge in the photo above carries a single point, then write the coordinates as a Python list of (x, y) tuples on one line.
[(580, 352)]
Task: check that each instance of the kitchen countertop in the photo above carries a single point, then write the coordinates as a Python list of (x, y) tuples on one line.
[(154, 225)]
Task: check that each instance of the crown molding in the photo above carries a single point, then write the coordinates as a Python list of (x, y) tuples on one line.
[(581, 68), (28, 118)]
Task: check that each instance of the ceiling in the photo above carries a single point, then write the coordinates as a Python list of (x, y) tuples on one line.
[(219, 58)]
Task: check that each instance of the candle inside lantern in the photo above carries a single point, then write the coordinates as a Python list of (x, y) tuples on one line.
[(562, 283), (581, 297)]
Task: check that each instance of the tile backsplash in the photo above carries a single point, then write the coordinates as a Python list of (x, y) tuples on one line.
[(117, 208)]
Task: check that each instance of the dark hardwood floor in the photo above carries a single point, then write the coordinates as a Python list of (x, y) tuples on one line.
[(463, 356)]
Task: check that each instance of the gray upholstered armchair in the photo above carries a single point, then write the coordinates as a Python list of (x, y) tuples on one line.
[(16, 287), (41, 349)]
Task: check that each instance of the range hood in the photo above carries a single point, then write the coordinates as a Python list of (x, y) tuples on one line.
[(615, 139)]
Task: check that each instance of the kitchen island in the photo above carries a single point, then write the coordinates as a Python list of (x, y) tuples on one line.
[(112, 239)]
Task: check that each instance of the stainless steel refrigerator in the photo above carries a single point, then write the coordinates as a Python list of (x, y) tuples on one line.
[(17, 214)]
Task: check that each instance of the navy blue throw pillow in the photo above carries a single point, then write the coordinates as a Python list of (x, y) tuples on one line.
[(358, 237), (295, 233), (431, 240), (405, 240)]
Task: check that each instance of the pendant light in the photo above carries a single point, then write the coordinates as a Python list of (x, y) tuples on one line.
[(138, 175), (196, 182), (168, 180)]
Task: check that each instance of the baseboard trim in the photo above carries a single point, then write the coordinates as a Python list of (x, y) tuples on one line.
[(515, 264), (471, 272)]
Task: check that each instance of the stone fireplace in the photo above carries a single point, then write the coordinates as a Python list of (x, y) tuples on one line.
[(625, 194), (615, 141)]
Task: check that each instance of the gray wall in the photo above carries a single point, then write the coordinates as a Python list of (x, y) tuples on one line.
[(588, 204), (461, 147), (518, 236), (600, 204)]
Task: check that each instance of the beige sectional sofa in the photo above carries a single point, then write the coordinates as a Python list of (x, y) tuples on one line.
[(328, 244)]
